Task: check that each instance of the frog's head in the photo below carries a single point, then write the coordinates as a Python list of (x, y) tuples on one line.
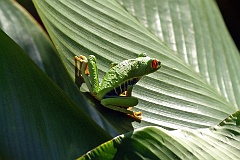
[(147, 65)]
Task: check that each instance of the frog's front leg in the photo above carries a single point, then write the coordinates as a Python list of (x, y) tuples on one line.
[(122, 104)]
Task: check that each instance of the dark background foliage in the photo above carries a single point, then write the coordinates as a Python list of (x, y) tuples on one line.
[(230, 10)]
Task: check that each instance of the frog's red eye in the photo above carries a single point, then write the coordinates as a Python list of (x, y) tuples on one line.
[(156, 64)]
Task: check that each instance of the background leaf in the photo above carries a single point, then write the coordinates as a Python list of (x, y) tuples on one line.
[(218, 142), (21, 27), (194, 35), (36, 117), (198, 83)]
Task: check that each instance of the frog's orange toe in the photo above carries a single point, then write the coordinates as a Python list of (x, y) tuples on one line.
[(136, 115)]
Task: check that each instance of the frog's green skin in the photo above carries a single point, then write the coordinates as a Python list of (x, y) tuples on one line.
[(115, 89)]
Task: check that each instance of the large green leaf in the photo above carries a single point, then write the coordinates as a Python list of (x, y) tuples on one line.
[(198, 84), (37, 119), (20, 26), (218, 142)]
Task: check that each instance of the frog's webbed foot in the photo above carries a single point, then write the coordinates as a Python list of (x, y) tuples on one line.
[(81, 63), (81, 70), (128, 111), (135, 115)]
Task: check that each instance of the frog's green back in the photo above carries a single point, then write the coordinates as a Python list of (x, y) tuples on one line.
[(128, 69)]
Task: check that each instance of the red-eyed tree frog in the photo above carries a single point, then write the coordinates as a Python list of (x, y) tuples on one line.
[(115, 89)]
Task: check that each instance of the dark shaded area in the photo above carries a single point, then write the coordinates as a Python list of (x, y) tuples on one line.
[(29, 6), (230, 10)]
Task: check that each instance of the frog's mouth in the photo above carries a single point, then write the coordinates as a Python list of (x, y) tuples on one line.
[(121, 90)]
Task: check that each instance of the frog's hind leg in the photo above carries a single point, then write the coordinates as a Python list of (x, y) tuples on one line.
[(123, 104), (123, 101)]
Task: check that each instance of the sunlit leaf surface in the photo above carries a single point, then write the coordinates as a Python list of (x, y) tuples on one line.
[(198, 84), (219, 142)]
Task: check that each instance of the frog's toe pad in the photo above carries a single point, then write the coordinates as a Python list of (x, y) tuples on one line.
[(137, 116)]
